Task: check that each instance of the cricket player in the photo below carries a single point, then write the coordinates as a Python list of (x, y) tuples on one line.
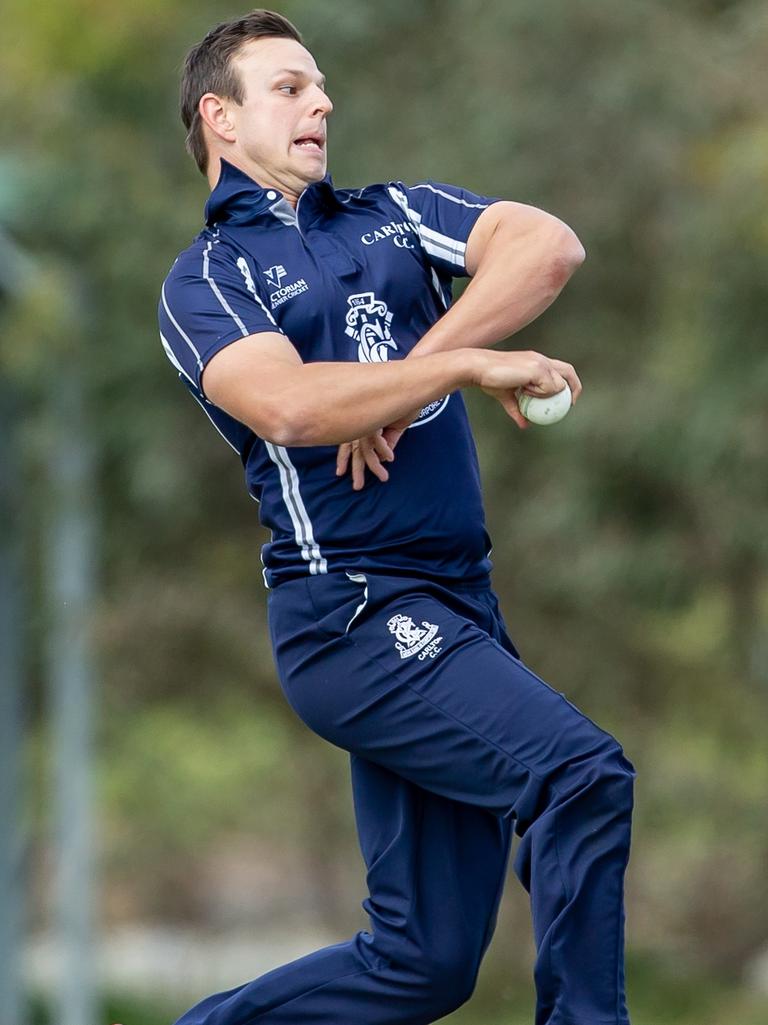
[(316, 329)]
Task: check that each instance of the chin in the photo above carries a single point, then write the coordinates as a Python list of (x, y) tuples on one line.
[(315, 175), (312, 170)]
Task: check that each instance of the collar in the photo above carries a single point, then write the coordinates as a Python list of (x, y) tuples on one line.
[(238, 199)]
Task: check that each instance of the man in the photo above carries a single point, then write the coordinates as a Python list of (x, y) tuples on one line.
[(315, 328)]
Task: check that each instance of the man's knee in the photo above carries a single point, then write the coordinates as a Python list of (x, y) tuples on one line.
[(449, 981), (602, 777), (617, 776), (609, 777)]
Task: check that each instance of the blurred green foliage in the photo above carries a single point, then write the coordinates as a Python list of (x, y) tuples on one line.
[(655, 998), (630, 543)]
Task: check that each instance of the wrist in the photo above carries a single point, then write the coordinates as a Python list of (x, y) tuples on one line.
[(468, 366)]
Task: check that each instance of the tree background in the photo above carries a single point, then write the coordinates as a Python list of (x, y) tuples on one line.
[(630, 543)]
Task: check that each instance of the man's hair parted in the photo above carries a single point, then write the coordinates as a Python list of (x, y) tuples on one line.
[(208, 69)]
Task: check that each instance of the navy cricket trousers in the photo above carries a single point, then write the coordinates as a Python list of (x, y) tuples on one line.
[(454, 744)]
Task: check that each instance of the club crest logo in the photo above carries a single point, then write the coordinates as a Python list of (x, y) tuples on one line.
[(275, 275), (413, 640), (368, 320)]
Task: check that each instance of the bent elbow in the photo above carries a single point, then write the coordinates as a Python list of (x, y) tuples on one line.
[(283, 433), (290, 428), (567, 256), (280, 435), (574, 251)]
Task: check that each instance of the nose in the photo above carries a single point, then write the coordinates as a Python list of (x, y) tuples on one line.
[(322, 102)]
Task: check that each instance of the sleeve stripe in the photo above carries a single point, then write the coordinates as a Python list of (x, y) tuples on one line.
[(217, 293), (268, 314), (435, 243), (180, 329), (171, 356), (455, 248), (202, 404), (453, 199)]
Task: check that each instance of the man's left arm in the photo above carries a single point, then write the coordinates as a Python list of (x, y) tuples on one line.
[(519, 258)]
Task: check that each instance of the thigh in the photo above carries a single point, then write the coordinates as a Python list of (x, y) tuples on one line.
[(411, 679), (436, 867)]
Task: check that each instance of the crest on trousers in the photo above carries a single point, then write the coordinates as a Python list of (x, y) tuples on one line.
[(413, 640), (368, 320)]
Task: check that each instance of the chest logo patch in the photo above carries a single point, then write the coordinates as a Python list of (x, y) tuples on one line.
[(368, 322), (413, 640), (282, 293), (275, 275)]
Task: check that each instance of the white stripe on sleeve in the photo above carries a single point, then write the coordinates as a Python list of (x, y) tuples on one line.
[(215, 289), (453, 199), (434, 242), (172, 357), (181, 331)]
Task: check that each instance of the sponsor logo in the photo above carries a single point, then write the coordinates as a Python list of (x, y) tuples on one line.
[(401, 233), (413, 640), (431, 411), (282, 295), (368, 320), (275, 275), (430, 408)]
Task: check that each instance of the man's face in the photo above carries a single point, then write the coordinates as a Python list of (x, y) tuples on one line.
[(281, 124)]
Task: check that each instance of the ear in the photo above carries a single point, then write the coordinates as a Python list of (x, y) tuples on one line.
[(215, 114)]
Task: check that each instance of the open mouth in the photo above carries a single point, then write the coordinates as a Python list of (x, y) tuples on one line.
[(312, 142)]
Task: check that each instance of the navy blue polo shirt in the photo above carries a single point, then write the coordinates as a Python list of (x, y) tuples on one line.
[(350, 274)]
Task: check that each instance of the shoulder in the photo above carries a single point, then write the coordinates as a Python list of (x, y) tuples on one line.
[(368, 195), (208, 252), (423, 195)]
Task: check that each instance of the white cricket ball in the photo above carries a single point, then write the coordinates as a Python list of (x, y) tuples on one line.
[(550, 410)]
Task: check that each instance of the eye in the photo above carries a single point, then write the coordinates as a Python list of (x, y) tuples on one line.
[(292, 90)]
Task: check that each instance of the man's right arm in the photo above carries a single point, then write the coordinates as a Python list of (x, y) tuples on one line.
[(261, 381)]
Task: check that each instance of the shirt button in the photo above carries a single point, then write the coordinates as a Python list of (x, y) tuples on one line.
[(271, 195)]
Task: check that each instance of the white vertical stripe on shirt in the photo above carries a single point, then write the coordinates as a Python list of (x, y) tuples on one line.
[(181, 331), (439, 288), (268, 314), (302, 525), (172, 357), (215, 289)]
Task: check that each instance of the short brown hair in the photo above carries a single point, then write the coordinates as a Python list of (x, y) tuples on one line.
[(208, 69)]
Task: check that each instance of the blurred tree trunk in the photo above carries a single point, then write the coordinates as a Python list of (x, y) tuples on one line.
[(70, 584), (11, 631)]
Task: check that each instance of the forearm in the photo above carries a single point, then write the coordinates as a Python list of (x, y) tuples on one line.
[(517, 278), (329, 403)]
